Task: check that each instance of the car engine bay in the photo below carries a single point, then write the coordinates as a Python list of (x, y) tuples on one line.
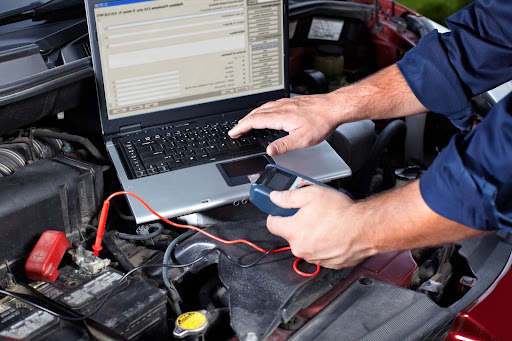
[(54, 176)]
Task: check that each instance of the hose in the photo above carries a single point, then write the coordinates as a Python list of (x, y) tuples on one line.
[(393, 129), (204, 294), (175, 296), (73, 138)]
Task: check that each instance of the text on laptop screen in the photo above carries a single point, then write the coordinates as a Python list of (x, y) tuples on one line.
[(163, 54)]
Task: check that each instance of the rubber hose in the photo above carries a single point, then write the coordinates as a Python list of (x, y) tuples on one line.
[(385, 137), (175, 297), (73, 138), (204, 294)]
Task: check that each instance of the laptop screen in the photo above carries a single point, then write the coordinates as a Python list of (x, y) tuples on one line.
[(164, 54)]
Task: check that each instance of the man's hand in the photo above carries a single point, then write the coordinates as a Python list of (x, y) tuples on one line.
[(320, 232), (331, 230), (310, 119), (307, 119)]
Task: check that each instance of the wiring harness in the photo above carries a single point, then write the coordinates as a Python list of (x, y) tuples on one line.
[(103, 219), (73, 316)]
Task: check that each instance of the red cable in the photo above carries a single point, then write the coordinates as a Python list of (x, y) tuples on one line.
[(305, 274), (103, 219)]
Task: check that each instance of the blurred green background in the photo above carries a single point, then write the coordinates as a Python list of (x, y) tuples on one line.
[(436, 10)]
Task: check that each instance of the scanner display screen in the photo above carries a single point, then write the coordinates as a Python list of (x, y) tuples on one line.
[(279, 181)]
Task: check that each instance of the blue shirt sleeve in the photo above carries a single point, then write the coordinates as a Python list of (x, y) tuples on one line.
[(445, 70), (470, 181)]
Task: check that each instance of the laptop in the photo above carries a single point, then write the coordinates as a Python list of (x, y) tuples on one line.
[(172, 76)]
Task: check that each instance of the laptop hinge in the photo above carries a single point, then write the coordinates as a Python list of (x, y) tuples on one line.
[(130, 129)]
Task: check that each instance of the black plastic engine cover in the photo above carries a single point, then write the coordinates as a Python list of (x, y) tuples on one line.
[(60, 194), (267, 294)]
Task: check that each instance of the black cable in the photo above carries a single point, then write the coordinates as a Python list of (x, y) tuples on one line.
[(157, 232), (240, 264), (173, 292), (110, 293)]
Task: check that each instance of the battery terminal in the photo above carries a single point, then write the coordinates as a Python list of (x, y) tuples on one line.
[(86, 260)]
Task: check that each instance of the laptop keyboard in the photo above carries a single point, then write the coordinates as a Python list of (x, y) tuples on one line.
[(166, 151)]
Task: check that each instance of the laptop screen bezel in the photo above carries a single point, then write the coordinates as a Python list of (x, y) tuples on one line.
[(191, 112)]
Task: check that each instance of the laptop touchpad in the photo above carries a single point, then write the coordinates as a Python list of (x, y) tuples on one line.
[(243, 171)]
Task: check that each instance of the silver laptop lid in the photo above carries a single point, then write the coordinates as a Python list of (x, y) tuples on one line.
[(161, 61)]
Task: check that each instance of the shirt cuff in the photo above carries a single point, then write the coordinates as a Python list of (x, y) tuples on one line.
[(430, 75)]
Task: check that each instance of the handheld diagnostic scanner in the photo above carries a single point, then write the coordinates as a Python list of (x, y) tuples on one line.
[(277, 178)]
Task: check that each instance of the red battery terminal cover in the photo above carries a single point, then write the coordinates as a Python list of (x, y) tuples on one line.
[(45, 258)]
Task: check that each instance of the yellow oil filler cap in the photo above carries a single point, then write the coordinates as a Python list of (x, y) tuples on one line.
[(192, 323)]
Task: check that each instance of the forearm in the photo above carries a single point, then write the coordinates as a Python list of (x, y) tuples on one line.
[(310, 119), (401, 220), (382, 95), (332, 230)]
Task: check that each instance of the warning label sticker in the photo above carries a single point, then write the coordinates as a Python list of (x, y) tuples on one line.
[(21, 330), (325, 29), (92, 290)]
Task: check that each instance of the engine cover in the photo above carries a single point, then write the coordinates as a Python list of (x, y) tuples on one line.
[(60, 194), (262, 296)]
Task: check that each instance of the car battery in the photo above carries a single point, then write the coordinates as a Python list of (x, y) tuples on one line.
[(59, 194), (137, 310), (20, 321)]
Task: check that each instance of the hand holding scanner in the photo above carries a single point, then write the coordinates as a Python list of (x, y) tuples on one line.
[(277, 178)]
